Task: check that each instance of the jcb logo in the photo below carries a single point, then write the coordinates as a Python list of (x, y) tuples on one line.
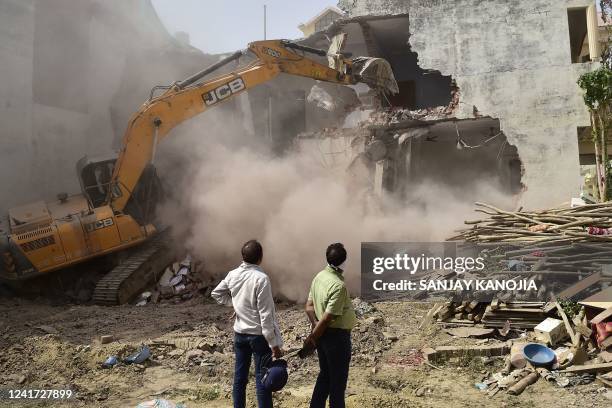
[(223, 91), (91, 227)]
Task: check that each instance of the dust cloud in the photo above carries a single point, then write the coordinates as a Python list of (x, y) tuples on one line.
[(295, 208)]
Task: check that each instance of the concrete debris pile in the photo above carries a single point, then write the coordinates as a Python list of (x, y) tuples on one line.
[(566, 345), (179, 282), (397, 115), (370, 339), (362, 308), (208, 347)]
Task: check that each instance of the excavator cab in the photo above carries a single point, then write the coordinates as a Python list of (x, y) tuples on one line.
[(95, 175)]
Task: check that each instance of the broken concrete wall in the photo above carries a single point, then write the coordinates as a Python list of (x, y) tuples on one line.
[(510, 60), (388, 37), (62, 65), (466, 158)]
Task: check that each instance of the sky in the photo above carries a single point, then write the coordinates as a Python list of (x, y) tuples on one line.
[(218, 26)]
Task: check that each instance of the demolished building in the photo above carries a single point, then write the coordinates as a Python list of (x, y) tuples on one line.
[(514, 66), (487, 90)]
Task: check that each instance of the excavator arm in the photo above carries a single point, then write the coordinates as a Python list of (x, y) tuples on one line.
[(188, 98)]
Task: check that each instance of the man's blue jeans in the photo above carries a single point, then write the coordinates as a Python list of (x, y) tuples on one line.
[(245, 346), (334, 351)]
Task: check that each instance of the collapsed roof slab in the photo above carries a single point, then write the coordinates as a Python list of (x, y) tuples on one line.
[(460, 155)]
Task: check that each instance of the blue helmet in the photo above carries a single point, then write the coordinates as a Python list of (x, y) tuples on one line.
[(275, 376)]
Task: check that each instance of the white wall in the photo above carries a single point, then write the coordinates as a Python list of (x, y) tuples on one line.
[(511, 60)]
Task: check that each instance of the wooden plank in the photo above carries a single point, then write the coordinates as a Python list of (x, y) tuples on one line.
[(518, 310), (465, 332), (604, 381), (436, 310), (582, 329), (472, 305), (580, 286), (520, 325), (430, 314), (512, 319), (549, 307), (568, 326), (526, 304), (590, 368), (599, 300)]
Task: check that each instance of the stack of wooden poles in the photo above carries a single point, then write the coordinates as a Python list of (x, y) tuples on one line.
[(544, 226)]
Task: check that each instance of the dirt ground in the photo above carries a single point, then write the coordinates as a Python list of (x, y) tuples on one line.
[(58, 346)]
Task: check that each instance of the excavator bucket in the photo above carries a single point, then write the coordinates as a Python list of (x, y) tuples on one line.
[(375, 72)]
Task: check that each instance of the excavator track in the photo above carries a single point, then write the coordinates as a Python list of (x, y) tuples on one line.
[(134, 274)]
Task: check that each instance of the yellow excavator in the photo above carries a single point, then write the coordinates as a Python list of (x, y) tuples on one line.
[(115, 208)]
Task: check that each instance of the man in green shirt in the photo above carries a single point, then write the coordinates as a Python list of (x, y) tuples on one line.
[(332, 318)]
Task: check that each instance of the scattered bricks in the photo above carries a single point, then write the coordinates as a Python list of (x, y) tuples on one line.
[(108, 338), (444, 353), (193, 354)]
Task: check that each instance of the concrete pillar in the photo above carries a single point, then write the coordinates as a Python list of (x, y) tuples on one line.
[(382, 167), (593, 33)]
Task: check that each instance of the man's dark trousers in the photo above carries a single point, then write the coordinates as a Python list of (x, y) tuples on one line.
[(334, 351), (245, 346)]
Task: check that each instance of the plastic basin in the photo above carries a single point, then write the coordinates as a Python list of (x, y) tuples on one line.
[(538, 354)]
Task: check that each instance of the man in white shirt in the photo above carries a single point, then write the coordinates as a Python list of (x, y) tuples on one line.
[(256, 332)]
